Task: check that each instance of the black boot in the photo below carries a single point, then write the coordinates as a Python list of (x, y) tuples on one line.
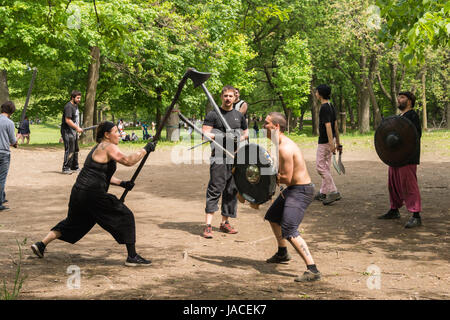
[(38, 249), (391, 214), (414, 221)]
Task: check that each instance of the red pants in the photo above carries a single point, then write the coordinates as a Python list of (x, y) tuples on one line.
[(403, 188)]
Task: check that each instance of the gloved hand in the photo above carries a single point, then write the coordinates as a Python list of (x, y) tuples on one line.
[(339, 148), (150, 147), (231, 136), (128, 185)]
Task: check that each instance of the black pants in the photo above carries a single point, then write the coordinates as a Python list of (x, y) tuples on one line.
[(86, 208), (221, 183), (71, 149)]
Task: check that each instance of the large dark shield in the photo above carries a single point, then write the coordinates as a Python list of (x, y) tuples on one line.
[(396, 140), (255, 174)]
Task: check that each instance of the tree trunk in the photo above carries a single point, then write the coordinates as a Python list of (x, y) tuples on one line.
[(302, 116), (364, 97), (30, 89), (446, 102), (424, 101), (364, 111), (288, 114), (314, 111), (158, 118), (342, 115), (447, 106), (394, 92), (93, 74), (134, 118), (95, 120), (172, 127), (395, 85), (294, 123), (159, 108), (287, 111), (352, 117), (373, 100), (376, 109), (4, 91)]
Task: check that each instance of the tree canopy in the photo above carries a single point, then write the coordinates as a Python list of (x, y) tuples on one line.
[(275, 52)]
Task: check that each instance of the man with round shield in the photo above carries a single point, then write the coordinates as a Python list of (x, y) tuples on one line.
[(221, 183), (287, 211), (402, 180)]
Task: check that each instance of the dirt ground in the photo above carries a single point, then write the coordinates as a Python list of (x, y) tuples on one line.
[(347, 241)]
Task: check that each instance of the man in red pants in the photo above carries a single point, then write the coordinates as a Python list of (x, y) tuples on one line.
[(402, 181)]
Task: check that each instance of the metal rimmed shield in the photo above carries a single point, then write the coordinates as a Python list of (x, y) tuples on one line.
[(254, 173), (396, 140)]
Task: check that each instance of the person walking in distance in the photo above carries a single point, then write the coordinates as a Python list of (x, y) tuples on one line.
[(327, 146)]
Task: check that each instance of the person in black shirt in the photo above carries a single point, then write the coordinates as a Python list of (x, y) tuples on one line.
[(24, 131), (221, 181), (70, 127), (328, 143), (90, 202), (402, 181)]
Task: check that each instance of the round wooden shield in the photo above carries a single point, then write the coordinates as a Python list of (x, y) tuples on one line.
[(254, 173), (396, 140)]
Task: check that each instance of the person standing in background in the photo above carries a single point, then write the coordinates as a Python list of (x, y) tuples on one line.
[(7, 139), (69, 132), (24, 131)]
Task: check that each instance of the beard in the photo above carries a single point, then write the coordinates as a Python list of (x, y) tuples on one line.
[(402, 106)]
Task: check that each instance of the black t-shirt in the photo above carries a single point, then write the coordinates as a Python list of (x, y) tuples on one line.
[(327, 113), (70, 111), (235, 120), (412, 116)]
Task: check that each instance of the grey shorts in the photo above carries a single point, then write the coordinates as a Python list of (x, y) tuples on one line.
[(289, 208)]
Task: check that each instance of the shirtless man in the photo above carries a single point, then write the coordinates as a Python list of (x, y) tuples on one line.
[(287, 211)]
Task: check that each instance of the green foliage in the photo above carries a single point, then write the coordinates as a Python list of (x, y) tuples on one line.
[(293, 73), (417, 24), (273, 51)]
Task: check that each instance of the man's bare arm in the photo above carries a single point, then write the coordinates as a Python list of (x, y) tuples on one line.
[(243, 108), (207, 131), (330, 136), (244, 135), (72, 124), (336, 130)]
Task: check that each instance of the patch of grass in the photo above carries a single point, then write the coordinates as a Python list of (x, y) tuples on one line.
[(19, 278), (46, 135)]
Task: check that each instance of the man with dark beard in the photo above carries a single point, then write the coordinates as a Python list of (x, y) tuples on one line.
[(70, 127), (403, 186)]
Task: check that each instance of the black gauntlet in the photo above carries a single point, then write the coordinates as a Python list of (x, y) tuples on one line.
[(150, 147), (128, 185)]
